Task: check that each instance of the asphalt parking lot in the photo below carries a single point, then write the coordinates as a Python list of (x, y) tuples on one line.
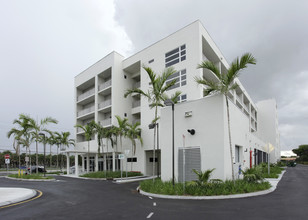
[(69, 198)]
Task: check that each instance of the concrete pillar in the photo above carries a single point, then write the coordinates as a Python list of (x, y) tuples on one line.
[(68, 163), (113, 161), (96, 162), (82, 157), (88, 163), (76, 165)]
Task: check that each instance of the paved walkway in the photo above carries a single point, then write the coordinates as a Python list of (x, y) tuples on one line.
[(13, 195)]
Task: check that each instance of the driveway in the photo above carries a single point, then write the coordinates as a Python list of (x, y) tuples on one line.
[(70, 198)]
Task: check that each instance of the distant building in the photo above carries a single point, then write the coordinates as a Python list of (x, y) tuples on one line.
[(99, 96)]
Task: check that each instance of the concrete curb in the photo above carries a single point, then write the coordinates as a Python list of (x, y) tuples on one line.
[(273, 182), (37, 180), (27, 194), (119, 181)]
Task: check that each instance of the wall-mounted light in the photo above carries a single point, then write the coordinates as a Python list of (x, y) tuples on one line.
[(191, 131)]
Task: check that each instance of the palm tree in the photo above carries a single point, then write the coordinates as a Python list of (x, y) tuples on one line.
[(89, 130), (156, 95), (36, 128), (133, 133), (52, 140), (58, 138), (101, 134), (224, 84), (122, 129), (21, 135), (110, 133)]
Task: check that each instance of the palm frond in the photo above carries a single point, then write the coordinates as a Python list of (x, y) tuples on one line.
[(210, 66)]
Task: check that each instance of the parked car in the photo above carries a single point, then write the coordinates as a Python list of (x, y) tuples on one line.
[(40, 169), (291, 164)]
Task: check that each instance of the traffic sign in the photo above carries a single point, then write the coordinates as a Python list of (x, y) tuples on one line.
[(7, 156), (121, 156), (7, 161), (27, 159)]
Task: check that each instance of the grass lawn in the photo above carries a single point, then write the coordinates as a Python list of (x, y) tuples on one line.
[(32, 176), (111, 174)]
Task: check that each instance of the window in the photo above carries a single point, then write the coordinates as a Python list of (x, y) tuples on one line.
[(179, 77), (182, 98), (174, 56), (132, 159), (151, 159)]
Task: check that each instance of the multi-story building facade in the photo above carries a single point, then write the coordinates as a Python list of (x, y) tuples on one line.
[(100, 97)]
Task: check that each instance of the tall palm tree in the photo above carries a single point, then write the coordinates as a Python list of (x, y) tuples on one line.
[(21, 135), (36, 128), (101, 134), (16, 142), (110, 133), (133, 133), (121, 129), (52, 140), (89, 131), (224, 84), (156, 95)]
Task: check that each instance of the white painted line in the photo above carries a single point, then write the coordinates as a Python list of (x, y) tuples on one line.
[(150, 197), (154, 203), (150, 215)]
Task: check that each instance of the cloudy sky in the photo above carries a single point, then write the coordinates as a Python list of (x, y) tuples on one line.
[(45, 44)]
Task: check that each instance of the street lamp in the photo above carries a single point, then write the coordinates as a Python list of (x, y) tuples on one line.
[(169, 102), (43, 135)]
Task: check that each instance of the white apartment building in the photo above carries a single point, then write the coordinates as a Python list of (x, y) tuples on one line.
[(99, 96)]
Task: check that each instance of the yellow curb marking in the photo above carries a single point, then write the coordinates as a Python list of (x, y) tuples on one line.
[(18, 203)]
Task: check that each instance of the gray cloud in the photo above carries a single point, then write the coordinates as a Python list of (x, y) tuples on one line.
[(273, 31)]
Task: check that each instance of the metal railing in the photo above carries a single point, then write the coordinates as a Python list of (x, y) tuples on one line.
[(104, 104), (86, 111), (104, 85), (86, 94)]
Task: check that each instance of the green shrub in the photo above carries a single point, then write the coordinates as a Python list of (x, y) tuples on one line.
[(209, 189), (111, 174)]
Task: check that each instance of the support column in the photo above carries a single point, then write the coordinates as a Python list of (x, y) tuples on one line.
[(113, 161), (68, 163), (76, 165), (96, 162), (82, 157), (88, 163)]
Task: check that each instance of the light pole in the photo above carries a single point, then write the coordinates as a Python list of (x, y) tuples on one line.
[(169, 102), (43, 135)]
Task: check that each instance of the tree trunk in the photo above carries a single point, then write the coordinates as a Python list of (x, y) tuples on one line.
[(50, 157), (36, 157), (57, 156), (154, 143), (229, 130), (88, 158)]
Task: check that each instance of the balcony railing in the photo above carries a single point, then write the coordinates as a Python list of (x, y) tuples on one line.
[(85, 111), (135, 121), (104, 85), (136, 104), (86, 94), (105, 122), (104, 104)]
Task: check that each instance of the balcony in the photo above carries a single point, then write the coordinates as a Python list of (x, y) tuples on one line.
[(106, 122), (85, 111), (104, 85), (137, 85), (104, 104), (80, 130), (136, 104), (86, 94)]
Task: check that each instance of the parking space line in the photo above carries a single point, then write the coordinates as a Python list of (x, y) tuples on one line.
[(150, 215)]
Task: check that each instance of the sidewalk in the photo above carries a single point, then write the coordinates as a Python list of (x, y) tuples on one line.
[(10, 195)]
